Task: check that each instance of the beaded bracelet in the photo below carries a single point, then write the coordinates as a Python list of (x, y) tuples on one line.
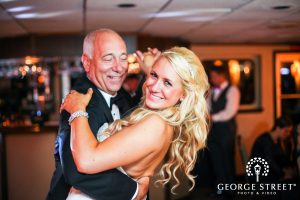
[(76, 114)]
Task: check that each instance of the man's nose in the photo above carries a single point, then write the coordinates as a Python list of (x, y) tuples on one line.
[(117, 65)]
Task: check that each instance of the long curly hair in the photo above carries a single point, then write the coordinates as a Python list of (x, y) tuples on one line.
[(188, 117)]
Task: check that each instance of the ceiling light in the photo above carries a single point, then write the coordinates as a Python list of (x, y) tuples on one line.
[(282, 7), (190, 12), (19, 9), (3, 1), (126, 5), (171, 14), (198, 19), (26, 15), (42, 15)]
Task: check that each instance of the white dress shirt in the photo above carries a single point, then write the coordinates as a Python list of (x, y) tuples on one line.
[(115, 112), (232, 104)]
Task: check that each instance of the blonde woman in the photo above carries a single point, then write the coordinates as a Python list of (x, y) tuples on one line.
[(171, 120)]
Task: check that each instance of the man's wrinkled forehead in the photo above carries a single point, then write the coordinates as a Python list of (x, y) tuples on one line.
[(110, 44)]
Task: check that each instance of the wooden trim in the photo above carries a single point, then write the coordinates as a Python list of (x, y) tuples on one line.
[(290, 96), (3, 170)]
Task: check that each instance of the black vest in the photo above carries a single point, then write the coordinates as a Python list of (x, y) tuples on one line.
[(220, 103)]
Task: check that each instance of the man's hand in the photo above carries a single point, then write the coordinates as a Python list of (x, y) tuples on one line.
[(143, 187)]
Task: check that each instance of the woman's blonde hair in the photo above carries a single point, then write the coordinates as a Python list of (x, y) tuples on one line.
[(188, 117)]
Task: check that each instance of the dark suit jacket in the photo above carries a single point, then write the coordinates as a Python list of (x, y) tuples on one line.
[(108, 185)]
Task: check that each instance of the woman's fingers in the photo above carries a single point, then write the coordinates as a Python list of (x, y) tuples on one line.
[(139, 57), (88, 95), (90, 92), (75, 101)]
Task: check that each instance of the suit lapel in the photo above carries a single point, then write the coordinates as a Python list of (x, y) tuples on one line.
[(97, 98), (103, 105)]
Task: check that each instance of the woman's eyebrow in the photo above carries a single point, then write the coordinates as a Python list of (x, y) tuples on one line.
[(169, 80)]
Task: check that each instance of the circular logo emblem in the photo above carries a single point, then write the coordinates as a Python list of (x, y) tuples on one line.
[(257, 166)]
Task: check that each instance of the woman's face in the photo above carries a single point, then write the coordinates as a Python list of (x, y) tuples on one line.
[(163, 86)]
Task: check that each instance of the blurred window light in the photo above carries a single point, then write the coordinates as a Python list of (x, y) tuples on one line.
[(218, 63), (131, 58), (284, 71), (247, 70), (295, 68)]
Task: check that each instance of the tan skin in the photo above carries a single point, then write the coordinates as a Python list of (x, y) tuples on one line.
[(163, 89)]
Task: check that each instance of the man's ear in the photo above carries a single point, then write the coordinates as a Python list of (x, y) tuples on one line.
[(86, 62)]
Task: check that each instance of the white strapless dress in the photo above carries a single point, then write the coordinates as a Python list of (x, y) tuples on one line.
[(75, 194)]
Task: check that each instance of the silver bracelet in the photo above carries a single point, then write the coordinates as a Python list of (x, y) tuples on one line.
[(76, 114)]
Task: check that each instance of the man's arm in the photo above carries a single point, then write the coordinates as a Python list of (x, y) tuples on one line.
[(59, 188), (108, 185)]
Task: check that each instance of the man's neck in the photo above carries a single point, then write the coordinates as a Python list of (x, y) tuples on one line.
[(107, 96)]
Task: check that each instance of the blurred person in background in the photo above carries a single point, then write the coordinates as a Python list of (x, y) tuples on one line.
[(131, 83), (269, 147), (223, 100)]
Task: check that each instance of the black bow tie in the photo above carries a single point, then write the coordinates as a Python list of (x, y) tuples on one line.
[(113, 100)]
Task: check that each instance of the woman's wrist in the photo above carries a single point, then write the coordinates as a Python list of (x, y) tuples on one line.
[(77, 108), (78, 113)]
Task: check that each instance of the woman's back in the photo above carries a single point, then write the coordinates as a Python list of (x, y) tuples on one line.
[(153, 131)]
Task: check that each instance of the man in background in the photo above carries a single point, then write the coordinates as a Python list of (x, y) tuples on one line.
[(224, 102)]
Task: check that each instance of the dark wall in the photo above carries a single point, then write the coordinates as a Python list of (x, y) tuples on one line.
[(71, 45), (63, 45), (162, 43)]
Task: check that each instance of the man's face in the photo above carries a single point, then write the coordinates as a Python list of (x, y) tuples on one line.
[(108, 65), (216, 79)]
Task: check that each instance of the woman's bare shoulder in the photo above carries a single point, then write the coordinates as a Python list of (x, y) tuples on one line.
[(154, 122), (153, 127)]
